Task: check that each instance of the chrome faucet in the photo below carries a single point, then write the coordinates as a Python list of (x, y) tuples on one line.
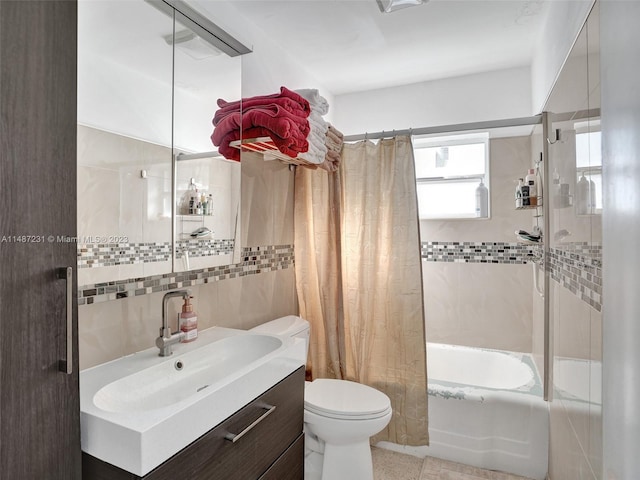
[(166, 339)]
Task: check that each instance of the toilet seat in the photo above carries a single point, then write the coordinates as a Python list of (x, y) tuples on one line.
[(342, 399)]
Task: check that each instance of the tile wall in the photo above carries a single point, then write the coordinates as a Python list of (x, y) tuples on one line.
[(116, 318), (124, 212), (124, 216), (477, 277)]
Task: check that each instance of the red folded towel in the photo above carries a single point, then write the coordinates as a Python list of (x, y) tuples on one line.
[(281, 116), (286, 104), (266, 99), (278, 122)]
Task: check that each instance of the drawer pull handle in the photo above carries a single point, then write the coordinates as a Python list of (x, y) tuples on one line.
[(234, 437)]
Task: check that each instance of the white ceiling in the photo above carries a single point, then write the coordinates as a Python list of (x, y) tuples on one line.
[(349, 45)]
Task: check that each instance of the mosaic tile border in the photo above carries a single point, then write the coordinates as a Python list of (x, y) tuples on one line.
[(97, 255), (255, 260), (578, 268), (204, 247), (93, 255), (478, 252)]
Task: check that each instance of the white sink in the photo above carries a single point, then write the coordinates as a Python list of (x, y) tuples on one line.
[(185, 376), (139, 410)]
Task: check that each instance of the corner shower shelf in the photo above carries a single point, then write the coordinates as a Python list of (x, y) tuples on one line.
[(531, 207), (267, 147)]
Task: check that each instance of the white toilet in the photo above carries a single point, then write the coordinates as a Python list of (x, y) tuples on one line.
[(339, 417)]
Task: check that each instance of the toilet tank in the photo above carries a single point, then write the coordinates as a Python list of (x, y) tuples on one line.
[(289, 326)]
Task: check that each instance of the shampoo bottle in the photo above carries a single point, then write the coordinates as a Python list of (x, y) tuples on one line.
[(188, 321), (530, 180), (519, 193), (482, 201)]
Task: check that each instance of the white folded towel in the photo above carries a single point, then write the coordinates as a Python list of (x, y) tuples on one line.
[(317, 123), (315, 99)]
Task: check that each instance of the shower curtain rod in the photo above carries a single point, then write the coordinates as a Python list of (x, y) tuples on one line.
[(194, 156), (509, 122)]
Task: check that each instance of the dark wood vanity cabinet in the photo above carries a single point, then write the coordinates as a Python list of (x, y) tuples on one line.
[(272, 450)]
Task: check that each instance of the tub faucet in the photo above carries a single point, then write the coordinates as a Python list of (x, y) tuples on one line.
[(166, 339)]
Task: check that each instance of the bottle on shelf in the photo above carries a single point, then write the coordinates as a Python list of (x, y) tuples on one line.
[(531, 182), (526, 198), (519, 193), (186, 206), (482, 201)]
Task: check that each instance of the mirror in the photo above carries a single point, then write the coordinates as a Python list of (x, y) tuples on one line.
[(146, 98), (207, 186), (207, 212)]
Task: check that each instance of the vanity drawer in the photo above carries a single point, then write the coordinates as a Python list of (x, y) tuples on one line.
[(269, 433), (290, 466)]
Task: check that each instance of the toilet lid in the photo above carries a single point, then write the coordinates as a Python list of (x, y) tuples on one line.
[(343, 398)]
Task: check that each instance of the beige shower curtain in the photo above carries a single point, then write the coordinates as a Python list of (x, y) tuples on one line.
[(359, 280)]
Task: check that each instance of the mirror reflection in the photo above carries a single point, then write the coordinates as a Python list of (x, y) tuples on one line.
[(207, 186), (145, 96), (207, 211)]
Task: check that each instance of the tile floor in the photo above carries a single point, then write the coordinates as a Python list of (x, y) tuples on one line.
[(388, 465)]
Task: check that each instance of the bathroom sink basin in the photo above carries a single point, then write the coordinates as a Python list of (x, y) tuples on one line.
[(139, 410), (185, 375)]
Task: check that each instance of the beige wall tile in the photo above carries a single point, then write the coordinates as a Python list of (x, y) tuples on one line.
[(114, 199), (98, 201), (100, 333), (479, 305), (267, 202), (109, 330)]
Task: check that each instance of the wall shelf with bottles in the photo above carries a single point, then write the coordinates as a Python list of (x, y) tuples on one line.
[(529, 206), (528, 195)]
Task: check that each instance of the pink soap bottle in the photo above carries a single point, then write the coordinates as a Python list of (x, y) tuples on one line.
[(188, 322)]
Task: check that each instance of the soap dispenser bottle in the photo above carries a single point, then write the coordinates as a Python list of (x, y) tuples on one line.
[(188, 321)]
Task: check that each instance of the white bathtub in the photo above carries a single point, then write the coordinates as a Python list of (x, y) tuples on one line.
[(486, 409)]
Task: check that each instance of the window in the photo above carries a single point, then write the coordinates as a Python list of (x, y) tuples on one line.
[(448, 171), (589, 160)]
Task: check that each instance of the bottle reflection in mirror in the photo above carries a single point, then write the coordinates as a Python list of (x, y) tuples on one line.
[(585, 196), (195, 201)]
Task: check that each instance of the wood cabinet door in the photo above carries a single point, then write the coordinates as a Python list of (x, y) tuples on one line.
[(39, 405)]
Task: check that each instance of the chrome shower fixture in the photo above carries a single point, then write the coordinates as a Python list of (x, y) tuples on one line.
[(388, 6)]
